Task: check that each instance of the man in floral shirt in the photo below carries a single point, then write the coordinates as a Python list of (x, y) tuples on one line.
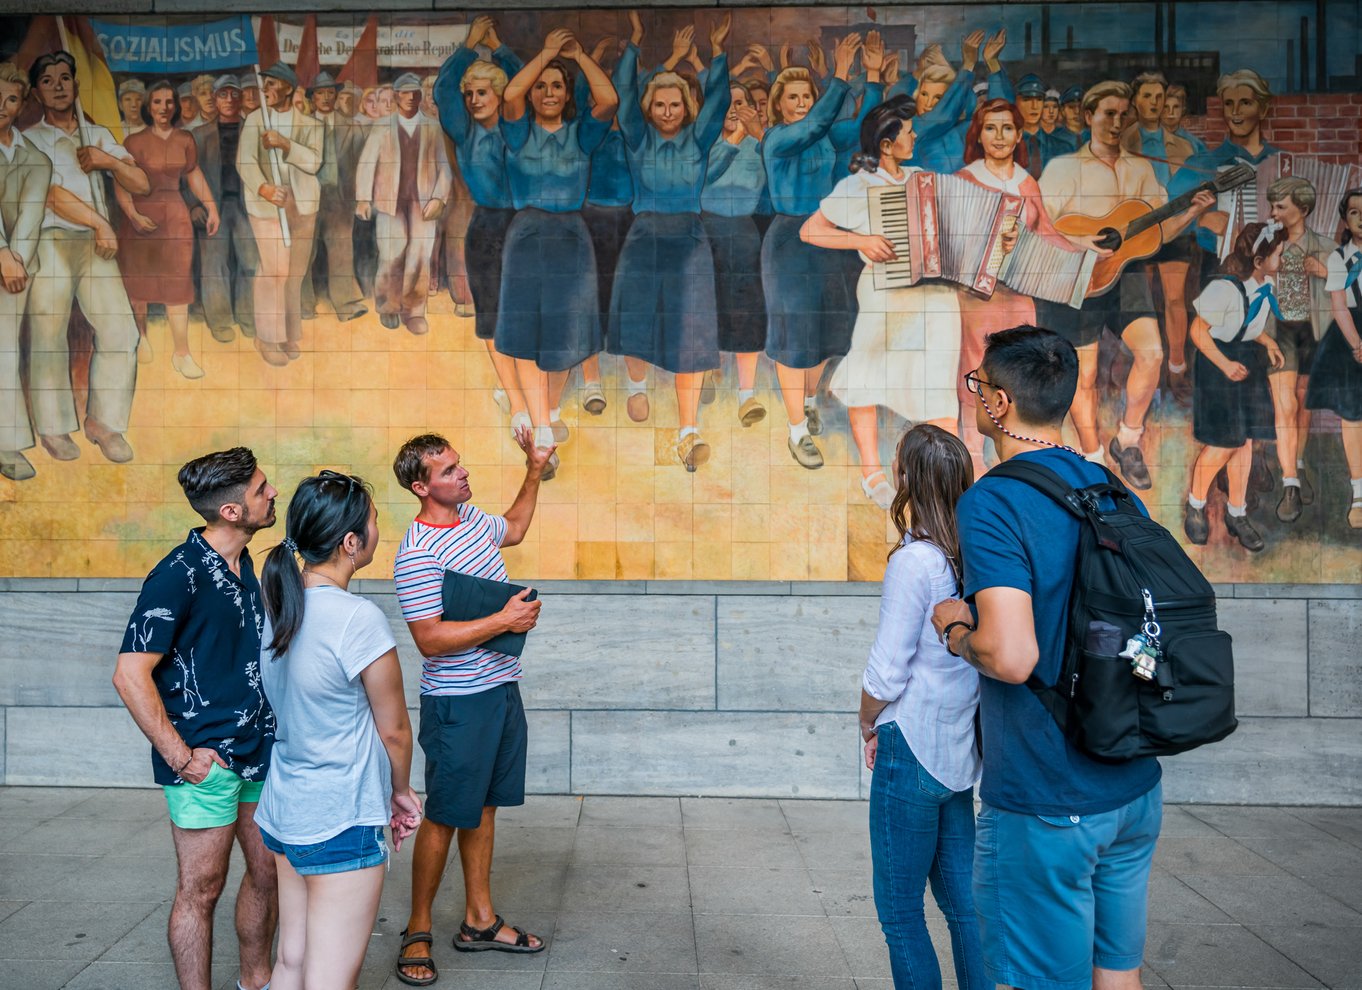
[(189, 673)]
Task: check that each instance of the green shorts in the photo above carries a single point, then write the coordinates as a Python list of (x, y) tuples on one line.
[(212, 803)]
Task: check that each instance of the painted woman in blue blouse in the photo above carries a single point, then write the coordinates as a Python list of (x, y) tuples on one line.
[(809, 311), (549, 312), (663, 309), (468, 95)]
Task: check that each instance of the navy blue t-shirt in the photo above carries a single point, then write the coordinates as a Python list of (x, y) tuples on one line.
[(1012, 536), (207, 622)]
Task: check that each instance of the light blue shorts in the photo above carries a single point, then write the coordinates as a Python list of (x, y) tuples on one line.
[(356, 848), (1057, 896)]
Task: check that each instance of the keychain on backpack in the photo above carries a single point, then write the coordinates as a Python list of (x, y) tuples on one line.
[(1142, 649)]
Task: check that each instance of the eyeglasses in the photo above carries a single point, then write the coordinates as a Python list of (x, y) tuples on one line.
[(975, 384)]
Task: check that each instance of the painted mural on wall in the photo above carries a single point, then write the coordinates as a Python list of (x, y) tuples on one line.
[(721, 259)]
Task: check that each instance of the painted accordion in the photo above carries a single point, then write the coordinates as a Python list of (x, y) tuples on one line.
[(1248, 204), (947, 227)]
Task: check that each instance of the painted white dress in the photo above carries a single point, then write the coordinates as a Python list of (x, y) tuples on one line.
[(905, 347)]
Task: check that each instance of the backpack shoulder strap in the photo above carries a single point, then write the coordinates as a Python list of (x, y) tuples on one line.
[(1078, 501)]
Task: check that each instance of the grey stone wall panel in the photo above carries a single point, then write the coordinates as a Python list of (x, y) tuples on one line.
[(1336, 659), (1270, 663)]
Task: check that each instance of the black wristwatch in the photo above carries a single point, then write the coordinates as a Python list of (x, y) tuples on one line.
[(946, 634)]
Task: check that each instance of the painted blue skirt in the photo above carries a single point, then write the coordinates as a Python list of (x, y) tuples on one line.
[(662, 307), (548, 311), (809, 314)]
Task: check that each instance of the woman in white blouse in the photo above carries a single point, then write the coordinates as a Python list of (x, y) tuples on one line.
[(918, 706), (1231, 400)]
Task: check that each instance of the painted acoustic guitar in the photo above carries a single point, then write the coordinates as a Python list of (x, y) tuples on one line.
[(1132, 232)]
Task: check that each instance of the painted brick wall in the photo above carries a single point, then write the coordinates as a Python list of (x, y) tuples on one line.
[(1321, 124)]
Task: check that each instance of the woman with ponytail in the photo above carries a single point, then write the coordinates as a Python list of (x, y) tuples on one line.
[(905, 346), (918, 705), (342, 758)]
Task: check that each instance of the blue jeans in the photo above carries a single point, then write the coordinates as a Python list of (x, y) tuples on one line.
[(921, 830)]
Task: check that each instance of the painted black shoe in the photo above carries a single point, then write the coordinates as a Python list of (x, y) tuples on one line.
[(1241, 529), (1260, 475), (1130, 462), (1194, 524), (1307, 489), (1289, 508), (391, 321)]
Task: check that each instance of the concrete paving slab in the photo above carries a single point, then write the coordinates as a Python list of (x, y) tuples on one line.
[(545, 810), (42, 972), (1212, 856), (631, 812), (741, 848), (69, 929), (822, 816), (657, 846), (635, 943), (833, 851), (115, 804), (1278, 900), (1241, 822), (766, 946), (862, 942), (485, 981), (1171, 900), (622, 889), (732, 813), (715, 981), (847, 893), (621, 981), (38, 804), (1332, 957), (768, 891), (1341, 823), (533, 844), (1308, 850), (103, 975), (1219, 956)]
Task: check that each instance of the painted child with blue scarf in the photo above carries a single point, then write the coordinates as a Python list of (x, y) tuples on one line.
[(1232, 403)]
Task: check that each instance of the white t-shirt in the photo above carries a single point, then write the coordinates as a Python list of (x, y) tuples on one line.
[(329, 770), (848, 205), (62, 147), (1337, 266), (1222, 307)]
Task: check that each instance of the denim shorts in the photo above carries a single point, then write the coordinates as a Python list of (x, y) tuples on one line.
[(1057, 896), (356, 848)]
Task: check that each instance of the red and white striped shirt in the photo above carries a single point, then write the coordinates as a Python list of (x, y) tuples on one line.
[(470, 546)]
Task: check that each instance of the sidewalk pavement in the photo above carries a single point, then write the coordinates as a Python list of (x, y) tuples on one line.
[(677, 894)]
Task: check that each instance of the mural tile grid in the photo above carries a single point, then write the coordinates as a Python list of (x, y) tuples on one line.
[(684, 254)]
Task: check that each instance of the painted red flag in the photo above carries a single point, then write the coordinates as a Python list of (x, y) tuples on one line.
[(309, 62), (266, 43), (361, 68)]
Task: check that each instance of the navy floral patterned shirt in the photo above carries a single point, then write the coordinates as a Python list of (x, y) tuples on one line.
[(207, 624)]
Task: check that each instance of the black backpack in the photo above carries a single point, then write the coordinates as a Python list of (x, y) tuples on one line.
[(1132, 577)]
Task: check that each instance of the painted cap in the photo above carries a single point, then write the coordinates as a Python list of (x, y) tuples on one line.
[(1031, 85), (981, 86), (132, 86), (1052, 96), (1074, 94), (324, 80), (185, 89), (226, 81), (407, 82), (283, 72)]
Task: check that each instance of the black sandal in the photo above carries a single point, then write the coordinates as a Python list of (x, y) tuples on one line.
[(472, 939), (425, 961)]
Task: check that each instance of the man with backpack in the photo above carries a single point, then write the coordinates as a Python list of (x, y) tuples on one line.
[(1064, 842)]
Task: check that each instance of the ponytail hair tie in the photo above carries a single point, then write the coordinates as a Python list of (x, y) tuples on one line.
[(864, 162), (1265, 235), (290, 544)]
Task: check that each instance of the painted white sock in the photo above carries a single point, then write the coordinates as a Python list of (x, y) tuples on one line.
[(1300, 463), (638, 388), (1357, 487), (810, 402), (555, 415), (1176, 369), (1129, 436), (1238, 511), (745, 393), (686, 431), (543, 436), (1095, 456), (1196, 503), (1291, 482), (798, 431)]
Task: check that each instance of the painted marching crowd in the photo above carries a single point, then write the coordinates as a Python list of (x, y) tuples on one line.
[(586, 204)]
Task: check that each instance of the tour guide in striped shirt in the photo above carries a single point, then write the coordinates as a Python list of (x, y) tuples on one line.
[(473, 730)]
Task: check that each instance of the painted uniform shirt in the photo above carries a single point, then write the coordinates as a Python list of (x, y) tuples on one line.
[(669, 173), (480, 151), (207, 624), (1222, 307), (736, 179), (801, 157), (470, 546)]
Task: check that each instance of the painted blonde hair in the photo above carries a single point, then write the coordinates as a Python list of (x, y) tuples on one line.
[(793, 74), (936, 73), (1096, 94), (485, 70), (670, 80), (201, 83), (11, 73), (1245, 77)]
